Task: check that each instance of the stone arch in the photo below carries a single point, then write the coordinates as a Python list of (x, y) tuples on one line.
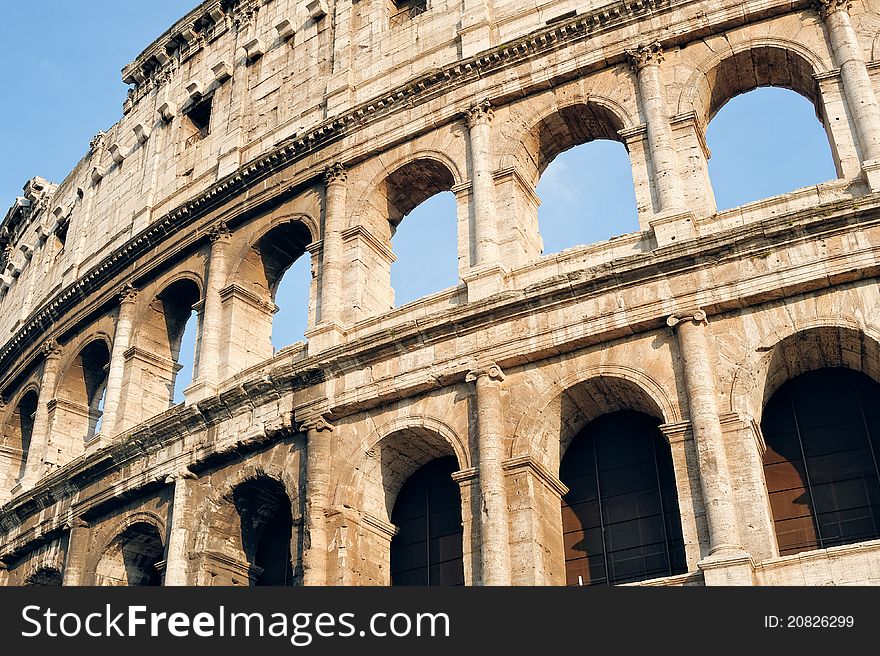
[(152, 360), (249, 299), (797, 348), (44, 575), (233, 523), (556, 127), (75, 409), (130, 556), (543, 429), (748, 66), (16, 436), (391, 453)]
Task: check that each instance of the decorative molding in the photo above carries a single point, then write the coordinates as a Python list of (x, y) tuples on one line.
[(363, 234), (697, 316), (493, 371), (219, 231), (318, 424), (51, 349), (335, 173), (128, 293), (645, 55), (479, 114), (827, 7), (538, 470)]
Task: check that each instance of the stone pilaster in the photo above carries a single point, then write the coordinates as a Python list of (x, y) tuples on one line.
[(78, 538), (34, 469), (486, 276), (860, 96), (699, 377), (177, 560), (318, 435), (670, 207), (494, 532), (4, 574), (329, 330), (206, 376), (121, 343)]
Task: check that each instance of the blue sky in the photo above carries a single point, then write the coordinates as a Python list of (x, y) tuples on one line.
[(60, 73)]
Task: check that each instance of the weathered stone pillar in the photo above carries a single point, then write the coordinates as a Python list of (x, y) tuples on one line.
[(494, 532), (329, 330), (77, 550), (121, 343), (4, 574), (177, 559), (860, 96), (318, 434), (699, 377), (487, 273), (670, 205), (208, 365), (40, 433)]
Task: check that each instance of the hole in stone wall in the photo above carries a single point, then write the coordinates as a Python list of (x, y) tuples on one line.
[(197, 121)]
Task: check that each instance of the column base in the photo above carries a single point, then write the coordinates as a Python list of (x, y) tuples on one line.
[(673, 226), (325, 336), (484, 281), (871, 171), (728, 568), (200, 389)]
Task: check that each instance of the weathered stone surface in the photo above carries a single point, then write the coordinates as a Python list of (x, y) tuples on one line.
[(255, 134)]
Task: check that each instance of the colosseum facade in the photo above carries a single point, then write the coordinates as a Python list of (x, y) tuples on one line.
[(695, 403)]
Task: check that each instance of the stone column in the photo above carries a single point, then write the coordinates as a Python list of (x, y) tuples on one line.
[(318, 434), (486, 275), (329, 332), (494, 533), (699, 378), (4, 574), (670, 205), (208, 365), (40, 433), (177, 558), (121, 343), (77, 550), (860, 96)]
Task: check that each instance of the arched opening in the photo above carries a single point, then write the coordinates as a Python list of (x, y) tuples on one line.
[(584, 177), (427, 549), (132, 558), (76, 413), (266, 530), (620, 518), (418, 195), (45, 576), (822, 433), (268, 307), (426, 248), (161, 363), (763, 141), (17, 435)]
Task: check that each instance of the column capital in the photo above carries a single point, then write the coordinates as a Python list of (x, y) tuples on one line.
[(335, 173), (318, 424), (493, 371), (219, 231), (128, 293), (51, 349), (697, 316), (480, 113), (75, 522), (828, 7), (183, 474), (645, 55)]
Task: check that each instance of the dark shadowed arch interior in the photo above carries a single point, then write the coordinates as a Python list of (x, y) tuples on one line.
[(822, 432), (132, 559), (174, 310), (19, 429), (412, 184), (427, 549), (620, 518), (569, 127), (266, 530), (81, 393), (45, 576), (287, 296)]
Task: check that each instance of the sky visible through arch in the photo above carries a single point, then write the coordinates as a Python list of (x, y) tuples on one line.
[(60, 73)]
